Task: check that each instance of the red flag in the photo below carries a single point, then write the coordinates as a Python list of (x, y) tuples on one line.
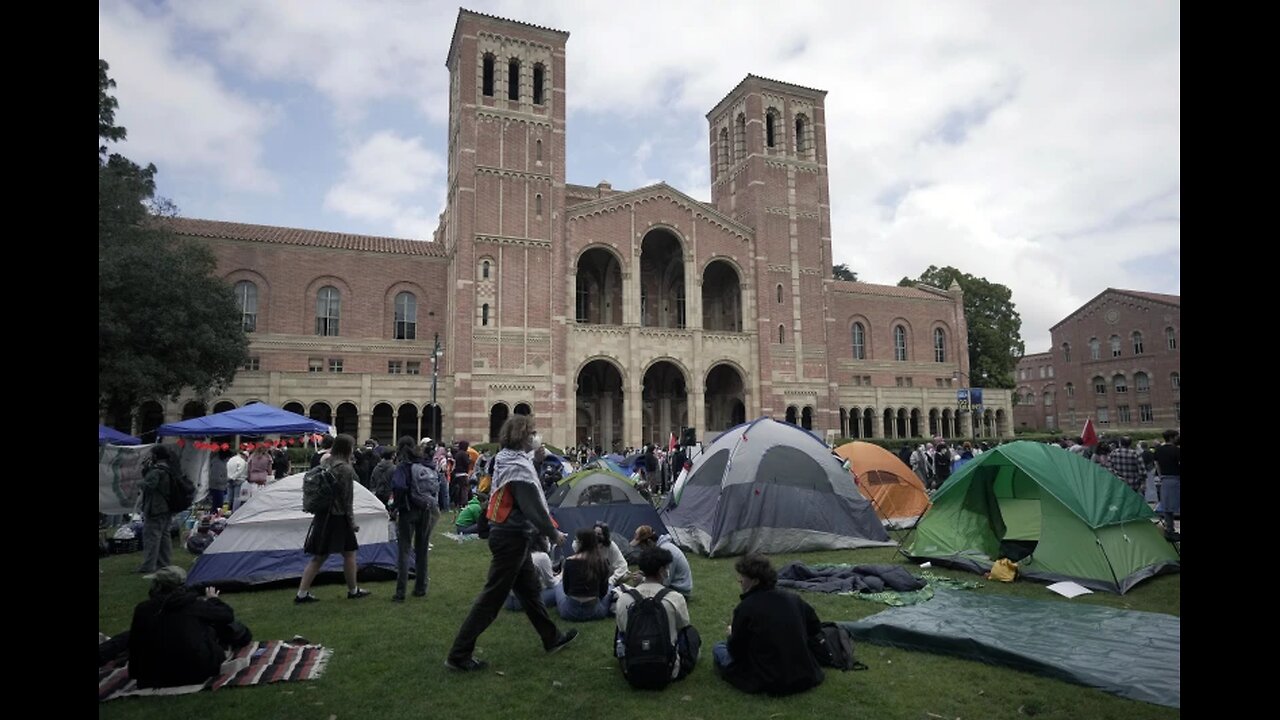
[(671, 446), (1088, 437)]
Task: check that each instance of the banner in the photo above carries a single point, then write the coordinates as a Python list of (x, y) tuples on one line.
[(120, 474)]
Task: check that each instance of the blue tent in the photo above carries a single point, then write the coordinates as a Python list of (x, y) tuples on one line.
[(115, 437), (586, 496), (255, 419)]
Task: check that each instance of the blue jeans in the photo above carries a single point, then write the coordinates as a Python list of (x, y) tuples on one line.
[(720, 657), (471, 529), (548, 598), (444, 496), (579, 611)]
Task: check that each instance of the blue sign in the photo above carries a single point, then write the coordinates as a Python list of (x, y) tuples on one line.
[(962, 398), (975, 398)]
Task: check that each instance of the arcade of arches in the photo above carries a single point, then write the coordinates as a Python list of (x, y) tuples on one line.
[(388, 423)]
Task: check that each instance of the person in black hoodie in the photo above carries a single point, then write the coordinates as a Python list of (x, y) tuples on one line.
[(179, 637), (768, 646)]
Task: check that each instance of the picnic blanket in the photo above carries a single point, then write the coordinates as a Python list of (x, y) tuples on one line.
[(253, 664)]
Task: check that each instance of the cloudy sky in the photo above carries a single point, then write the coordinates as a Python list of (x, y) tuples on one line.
[(1033, 144)]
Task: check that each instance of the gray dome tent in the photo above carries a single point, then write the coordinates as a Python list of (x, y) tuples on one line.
[(773, 487)]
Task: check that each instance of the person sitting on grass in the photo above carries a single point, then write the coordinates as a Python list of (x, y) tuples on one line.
[(468, 522), (655, 563), (583, 593), (680, 578), (548, 578)]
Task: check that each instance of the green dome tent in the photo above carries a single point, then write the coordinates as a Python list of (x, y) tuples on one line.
[(1061, 517)]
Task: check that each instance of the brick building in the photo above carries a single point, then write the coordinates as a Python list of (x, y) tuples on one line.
[(615, 317), (1117, 359)]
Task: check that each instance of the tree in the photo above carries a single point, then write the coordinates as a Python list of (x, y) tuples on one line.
[(842, 272), (165, 320), (995, 328)]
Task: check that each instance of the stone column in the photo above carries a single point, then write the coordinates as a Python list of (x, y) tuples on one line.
[(606, 423)]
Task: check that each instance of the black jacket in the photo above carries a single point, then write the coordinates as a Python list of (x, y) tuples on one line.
[(770, 643), (174, 639)]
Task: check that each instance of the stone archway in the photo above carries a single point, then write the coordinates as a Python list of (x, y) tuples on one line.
[(150, 417), (915, 422), (347, 420), (901, 429), (725, 398), (498, 414), (791, 414), (806, 418), (223, 406), (193, 409), (523, 409), (721, 298), (868, 423), (665, 403), (598, 288), (322, 412), (662, 286), (383, 422), (947, 423), (599, 395)]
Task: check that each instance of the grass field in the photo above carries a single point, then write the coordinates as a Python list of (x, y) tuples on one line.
[(387, 660)]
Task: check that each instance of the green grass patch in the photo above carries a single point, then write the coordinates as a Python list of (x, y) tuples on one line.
[(388, 657)]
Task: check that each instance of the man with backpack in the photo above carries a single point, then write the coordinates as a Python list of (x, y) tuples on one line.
[(158, 506), (414, 492), (655, 641)]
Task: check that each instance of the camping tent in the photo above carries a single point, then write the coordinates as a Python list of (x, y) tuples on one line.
[(768, 486), (255, 419), (893, 489), (1059, 516), (263, 539), (587, 496), (115, 437)]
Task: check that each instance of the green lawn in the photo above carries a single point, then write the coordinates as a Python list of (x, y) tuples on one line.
[(387, 660)]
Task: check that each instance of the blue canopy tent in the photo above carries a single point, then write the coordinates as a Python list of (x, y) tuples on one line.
[(255, 419), (115, 437)]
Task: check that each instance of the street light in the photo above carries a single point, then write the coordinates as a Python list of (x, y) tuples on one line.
[(436, 353)]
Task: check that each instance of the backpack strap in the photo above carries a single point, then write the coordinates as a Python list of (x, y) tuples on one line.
[(635, 594), (662, 594)]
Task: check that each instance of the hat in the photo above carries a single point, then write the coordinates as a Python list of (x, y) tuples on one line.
[(169, 577), (644, 532)]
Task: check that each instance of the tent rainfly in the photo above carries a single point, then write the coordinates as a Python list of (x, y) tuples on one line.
[(255, 419)]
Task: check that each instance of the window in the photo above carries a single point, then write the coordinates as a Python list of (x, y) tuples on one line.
[(1145, 415), (484, 270), (1104, 417), (1177, 413), (939, 345), (782, 337), (413, 367), (484, 314), (1099, 385), (252, 363), (1122, 414), (901, 381), (1121, 384), (722, 151), (938, 382), (779, 293), (1141, 383), (859, 342), (328, 308), (513, 79), (1071, 390), (486, 86), (1175, 381), (1170, 338), (406, 316), (581, 304), (770, 127), (1050, 371), (1095, 349), (1042, 372), (799, 134), (1066, 352), (1137, 343), (899, 343), (247, 299), (539, 74), (538, 145), (1048, 398), (315, 365), (537, 204), (335, 365), (740, 137), (393, 367), (1115, 346)]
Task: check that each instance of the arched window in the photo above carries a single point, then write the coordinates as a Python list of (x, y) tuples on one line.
[(1115, 346), (899, 343), (799, 134), (539, 75), (740, 138), (1048, 398), (1099, 385), (484, 314), (406, 316), (859, 342), (1175, 381), (771, 128), (939, 345), (328, 310), (1170, 338), (513, 79), (779, 293), (247, 299), (1141, 382), (486, 86), (1071, 390), (537, 204), (782, 337), (1137, 343), (1066, 352), (538, 145), (484, 270), (1095, 349), (1122, 385)]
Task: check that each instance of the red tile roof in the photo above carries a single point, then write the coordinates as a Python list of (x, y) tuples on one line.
[(1158, 297), (885, 290), (295, 236)]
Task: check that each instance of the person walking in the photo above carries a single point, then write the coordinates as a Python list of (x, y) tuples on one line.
[(517, 515), (334, 530)]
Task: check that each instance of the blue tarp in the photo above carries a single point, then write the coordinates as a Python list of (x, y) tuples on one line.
[(255, 419), (115, 437)]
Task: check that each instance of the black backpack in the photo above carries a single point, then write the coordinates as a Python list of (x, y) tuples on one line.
[(318, 489), (182, 492), (645, 650), (833, 647)]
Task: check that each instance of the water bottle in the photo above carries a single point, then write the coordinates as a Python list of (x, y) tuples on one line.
[(619, 647)]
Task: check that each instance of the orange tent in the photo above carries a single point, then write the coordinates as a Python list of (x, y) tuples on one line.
[(893, 489)]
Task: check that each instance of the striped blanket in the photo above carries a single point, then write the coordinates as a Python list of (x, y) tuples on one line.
[(257, 662)]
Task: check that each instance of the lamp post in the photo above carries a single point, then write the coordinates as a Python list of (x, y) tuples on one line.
[(436, 353)]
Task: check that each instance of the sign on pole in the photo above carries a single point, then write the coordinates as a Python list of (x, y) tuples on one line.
[(962, 398)]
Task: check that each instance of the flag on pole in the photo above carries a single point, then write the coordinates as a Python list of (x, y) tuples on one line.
[(671, 446), (1088, 436)]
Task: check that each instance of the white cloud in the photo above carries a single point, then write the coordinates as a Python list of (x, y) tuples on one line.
[(387, 180)]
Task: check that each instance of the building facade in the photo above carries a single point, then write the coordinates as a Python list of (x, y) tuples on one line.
[(1117, 359), (614, 317)]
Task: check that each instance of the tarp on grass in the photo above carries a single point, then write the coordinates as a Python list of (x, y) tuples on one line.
[(1136, 655)]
